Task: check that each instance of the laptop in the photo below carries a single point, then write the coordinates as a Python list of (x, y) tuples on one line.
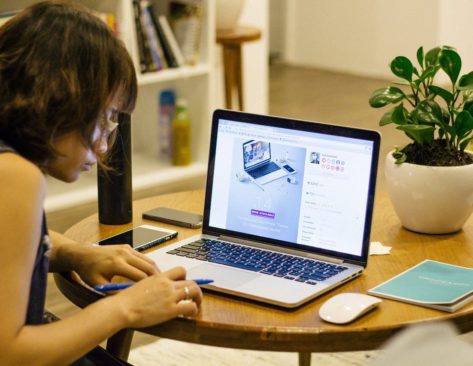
[(290, 241), (257, 162)]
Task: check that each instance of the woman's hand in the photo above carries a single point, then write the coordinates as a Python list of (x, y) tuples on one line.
[(99, 264), (159, 298)]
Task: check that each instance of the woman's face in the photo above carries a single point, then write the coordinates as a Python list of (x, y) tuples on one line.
[(76, 157)]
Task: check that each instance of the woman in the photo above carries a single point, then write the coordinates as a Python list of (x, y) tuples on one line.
[(63, 78)]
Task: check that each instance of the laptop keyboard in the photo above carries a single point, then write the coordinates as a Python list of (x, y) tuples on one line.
[(264, 170), (259, 260)]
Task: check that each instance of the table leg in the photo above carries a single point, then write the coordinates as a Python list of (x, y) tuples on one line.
[(304, 358), (119, 344), (239, 76), (233, 75), (229, 70)]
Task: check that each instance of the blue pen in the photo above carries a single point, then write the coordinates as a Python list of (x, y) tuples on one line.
[(121, 286)]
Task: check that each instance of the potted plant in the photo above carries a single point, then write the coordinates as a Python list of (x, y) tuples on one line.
[(430, 180)]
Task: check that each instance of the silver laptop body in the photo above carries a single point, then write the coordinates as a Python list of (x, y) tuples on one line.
[(270, 238)]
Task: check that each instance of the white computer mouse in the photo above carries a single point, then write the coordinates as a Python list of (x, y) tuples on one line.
[(346, 307)]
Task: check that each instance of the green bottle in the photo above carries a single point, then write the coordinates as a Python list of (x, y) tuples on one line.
[(181, 135)]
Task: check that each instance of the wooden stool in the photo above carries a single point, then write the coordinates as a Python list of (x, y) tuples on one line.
[(231, 41)]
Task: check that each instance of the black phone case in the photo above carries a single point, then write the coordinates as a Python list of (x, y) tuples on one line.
[(156, 242), (169, 221)]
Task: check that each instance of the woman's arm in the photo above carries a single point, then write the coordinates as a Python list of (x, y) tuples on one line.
[(151, 301), (154, 300)]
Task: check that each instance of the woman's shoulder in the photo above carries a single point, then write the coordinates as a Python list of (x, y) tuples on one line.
[(17, 171)]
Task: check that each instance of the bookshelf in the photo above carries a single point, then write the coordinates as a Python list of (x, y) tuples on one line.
[(194, 83)]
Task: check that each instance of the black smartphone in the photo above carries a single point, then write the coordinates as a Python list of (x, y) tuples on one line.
[(141, 237), (289, 168), (175, 217)]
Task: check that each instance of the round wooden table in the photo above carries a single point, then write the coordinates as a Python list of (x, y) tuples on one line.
[(232, 322)]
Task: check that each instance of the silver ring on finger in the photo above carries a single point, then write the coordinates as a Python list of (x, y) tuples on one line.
[(187, 293)]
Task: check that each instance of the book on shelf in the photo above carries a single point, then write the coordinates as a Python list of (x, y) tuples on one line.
[(432, 284), (185, 17), (168, 33), (166, 47), (144, 51), (150, 33)]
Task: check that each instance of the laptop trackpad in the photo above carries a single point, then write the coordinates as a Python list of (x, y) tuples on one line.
[(223, 277)]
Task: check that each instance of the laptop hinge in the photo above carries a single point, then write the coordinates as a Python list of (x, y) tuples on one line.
[(280, 249), (324, 258)]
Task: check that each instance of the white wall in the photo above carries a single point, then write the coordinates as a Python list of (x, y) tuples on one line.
[(254, 59), (277, 26), (363, 36), (456, 28)]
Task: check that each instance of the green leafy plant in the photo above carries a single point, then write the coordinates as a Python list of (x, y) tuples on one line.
[(438, 120)]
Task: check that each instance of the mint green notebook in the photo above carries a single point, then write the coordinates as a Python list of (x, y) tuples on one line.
[(432, 284)]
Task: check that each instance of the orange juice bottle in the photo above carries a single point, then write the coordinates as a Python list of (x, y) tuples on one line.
[(181, 135)]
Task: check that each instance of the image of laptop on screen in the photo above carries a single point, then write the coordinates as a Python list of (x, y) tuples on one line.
[(294, 240), (257, 162)]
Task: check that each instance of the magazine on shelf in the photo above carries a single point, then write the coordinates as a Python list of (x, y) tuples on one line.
[(432, 284)]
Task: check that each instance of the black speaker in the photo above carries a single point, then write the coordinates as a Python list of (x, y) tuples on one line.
[(114, 185)]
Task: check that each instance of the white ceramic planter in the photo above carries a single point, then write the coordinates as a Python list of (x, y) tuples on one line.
[(430, 200)]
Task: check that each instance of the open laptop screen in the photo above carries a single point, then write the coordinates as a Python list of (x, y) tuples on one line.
[(256, 153), (323, 203)]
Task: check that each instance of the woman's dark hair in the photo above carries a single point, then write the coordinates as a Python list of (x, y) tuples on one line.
[(60, 68)]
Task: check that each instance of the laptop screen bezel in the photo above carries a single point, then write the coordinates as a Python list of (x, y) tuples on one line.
[(302, 125)]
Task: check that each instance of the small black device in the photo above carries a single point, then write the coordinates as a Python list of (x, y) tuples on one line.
[(141, 237), (114, 185), (289, 168), (175, 217)]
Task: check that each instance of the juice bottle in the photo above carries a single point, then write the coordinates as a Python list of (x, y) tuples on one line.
[(181, 135)]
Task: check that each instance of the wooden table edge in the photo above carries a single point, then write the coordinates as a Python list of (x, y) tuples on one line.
[(265, 338)]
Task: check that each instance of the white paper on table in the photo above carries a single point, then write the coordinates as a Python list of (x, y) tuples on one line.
[(377, 248)]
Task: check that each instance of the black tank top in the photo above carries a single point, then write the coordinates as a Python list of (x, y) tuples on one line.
[(39, 277)]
